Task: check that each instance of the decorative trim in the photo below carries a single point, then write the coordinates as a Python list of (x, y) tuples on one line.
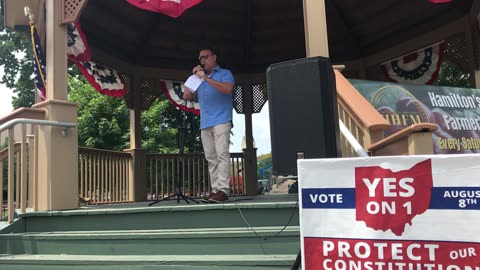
[(71, 10), (105, 80), (77, 45), (419, 67), (174, 92)]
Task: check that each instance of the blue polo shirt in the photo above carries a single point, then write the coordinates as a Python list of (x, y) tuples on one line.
[(215, 107)]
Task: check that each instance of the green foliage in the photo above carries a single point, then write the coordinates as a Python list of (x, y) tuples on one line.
[(4, 167), (451, 75), (4, 144), (16, 60), (24, 88), (160, 129), (173, 117), (157, 137), (103, 122)]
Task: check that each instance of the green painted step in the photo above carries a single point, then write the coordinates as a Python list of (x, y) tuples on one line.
[(201, 241), (233, 236), (170, 262), (161, 217)]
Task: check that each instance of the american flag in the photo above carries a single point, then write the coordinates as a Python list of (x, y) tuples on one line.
[(38, 63)]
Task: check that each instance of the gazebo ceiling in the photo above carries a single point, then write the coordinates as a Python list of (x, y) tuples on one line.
[(252, 34)]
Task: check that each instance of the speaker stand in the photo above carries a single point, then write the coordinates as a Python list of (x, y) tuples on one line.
[(178, 191)]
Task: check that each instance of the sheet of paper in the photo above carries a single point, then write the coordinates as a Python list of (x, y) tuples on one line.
[(193, 82)]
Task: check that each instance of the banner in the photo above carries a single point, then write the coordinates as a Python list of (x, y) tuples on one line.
[(456, 111), (174, 92), (419, 67), (77, 45), (105, 80), (395, 213)]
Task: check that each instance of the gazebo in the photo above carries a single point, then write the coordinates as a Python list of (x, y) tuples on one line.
[(251, 35)]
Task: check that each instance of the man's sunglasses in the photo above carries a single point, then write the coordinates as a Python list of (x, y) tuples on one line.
[(203, 57)]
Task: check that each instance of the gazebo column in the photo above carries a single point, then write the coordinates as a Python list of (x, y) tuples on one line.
[(473, 41), (477, 78), (315, 23), (249, 153), (57, 165), (470, 32), (138, 165)]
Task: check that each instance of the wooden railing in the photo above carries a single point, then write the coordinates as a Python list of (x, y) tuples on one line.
[(10, 196), (18, 160), (413, 140), (358, 115), (103, 175), (17, 173), (367, 126), (191, 172)]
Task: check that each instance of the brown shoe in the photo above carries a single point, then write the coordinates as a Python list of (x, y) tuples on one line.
[(219, 197), (207, 199)]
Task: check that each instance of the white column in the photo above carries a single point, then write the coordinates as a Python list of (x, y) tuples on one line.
[(57, 163), (56, 52), (315, 21)]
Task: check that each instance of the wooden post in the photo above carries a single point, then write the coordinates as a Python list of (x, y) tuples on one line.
[(315, 21), (249, 153), (57, 161), (137, 186), (138, 167), (135, 116)]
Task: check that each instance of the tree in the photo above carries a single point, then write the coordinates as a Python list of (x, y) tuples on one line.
[(16, 60), (103, 121), (157, 137), (160, 129), (451, 75)]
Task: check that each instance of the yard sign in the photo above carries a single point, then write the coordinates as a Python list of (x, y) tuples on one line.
[(405, 213)]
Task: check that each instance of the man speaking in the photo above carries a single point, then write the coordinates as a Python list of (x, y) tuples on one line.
[(215, 98)]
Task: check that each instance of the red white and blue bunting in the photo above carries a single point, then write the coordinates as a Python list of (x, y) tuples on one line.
[(105, 80), (77, 45), (172, 8), (174, 92), (420, 67)]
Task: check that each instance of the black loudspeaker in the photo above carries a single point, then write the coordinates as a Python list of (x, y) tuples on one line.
[(303, 112)]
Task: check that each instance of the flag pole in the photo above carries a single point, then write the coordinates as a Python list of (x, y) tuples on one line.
[(38, 66), (29, 14)]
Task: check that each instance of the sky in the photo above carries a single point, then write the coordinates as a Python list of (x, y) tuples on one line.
[(5, 99), (261, 131)]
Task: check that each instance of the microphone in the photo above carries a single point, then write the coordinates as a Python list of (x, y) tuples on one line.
[(202, 65)]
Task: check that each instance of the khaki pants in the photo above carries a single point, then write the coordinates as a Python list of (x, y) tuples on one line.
[(216, 145)]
